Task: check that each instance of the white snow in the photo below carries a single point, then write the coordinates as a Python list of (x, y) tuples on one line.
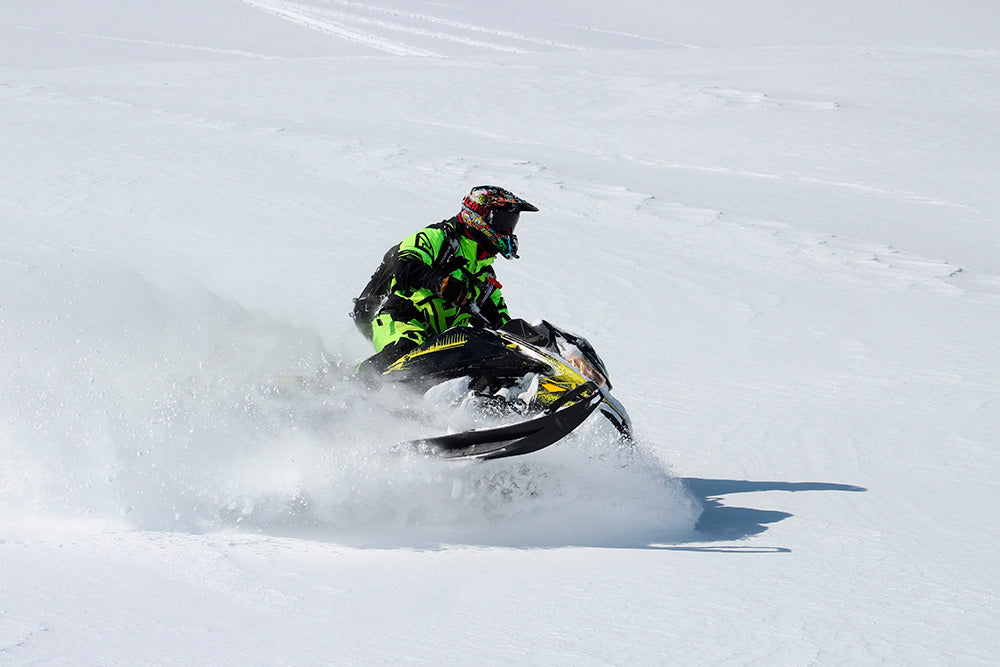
[(778, 223)]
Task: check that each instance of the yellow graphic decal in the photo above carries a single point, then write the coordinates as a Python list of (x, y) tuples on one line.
[(444, 344)]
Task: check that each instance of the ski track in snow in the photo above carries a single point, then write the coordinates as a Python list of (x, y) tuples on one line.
[(631, 35), (308, 18), (811, 180), (459, 25), (398, 27), (333, 22), (175, 45), (14, 636)]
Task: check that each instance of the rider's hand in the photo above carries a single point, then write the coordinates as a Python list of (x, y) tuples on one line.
[(454, 290), (457, 262)]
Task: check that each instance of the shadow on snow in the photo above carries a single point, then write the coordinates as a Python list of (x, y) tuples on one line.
[(719, 522)]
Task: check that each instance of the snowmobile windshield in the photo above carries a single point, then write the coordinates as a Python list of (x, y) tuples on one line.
[(584, 367), (503, 220)]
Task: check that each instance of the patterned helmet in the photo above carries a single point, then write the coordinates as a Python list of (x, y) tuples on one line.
[(491, 213)]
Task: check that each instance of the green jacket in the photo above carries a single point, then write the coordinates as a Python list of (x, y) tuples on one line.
[(422, 261)]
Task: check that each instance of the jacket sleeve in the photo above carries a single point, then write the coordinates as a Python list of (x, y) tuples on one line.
[(413, 268), (501, 317), (494, 308)]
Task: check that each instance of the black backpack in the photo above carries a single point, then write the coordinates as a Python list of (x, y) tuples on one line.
[(367, 305)]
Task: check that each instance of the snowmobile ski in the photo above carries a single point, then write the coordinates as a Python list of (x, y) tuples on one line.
[(522, 438)]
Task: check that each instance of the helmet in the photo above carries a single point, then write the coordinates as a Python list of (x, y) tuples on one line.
[(491, 213)]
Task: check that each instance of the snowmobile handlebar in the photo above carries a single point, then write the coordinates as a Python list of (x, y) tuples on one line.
[(478, 319)]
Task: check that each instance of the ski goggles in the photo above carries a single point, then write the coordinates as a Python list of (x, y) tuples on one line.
[(503, 220)]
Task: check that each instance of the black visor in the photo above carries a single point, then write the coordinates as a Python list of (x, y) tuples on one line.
[(503, 220)]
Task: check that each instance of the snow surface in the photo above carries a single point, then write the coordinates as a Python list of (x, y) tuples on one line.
[(777, 222)]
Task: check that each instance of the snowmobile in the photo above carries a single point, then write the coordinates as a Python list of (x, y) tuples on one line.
[(547, 378)]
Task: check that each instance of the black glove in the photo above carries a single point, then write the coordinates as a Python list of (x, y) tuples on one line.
[(453, 290), (454, 264)]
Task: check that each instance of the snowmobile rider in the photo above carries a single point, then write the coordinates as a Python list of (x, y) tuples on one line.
[(440, 277)]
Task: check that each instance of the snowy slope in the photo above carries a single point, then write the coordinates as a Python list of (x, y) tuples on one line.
[(778, 225)]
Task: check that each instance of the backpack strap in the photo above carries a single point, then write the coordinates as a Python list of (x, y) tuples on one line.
[(451, 244)]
